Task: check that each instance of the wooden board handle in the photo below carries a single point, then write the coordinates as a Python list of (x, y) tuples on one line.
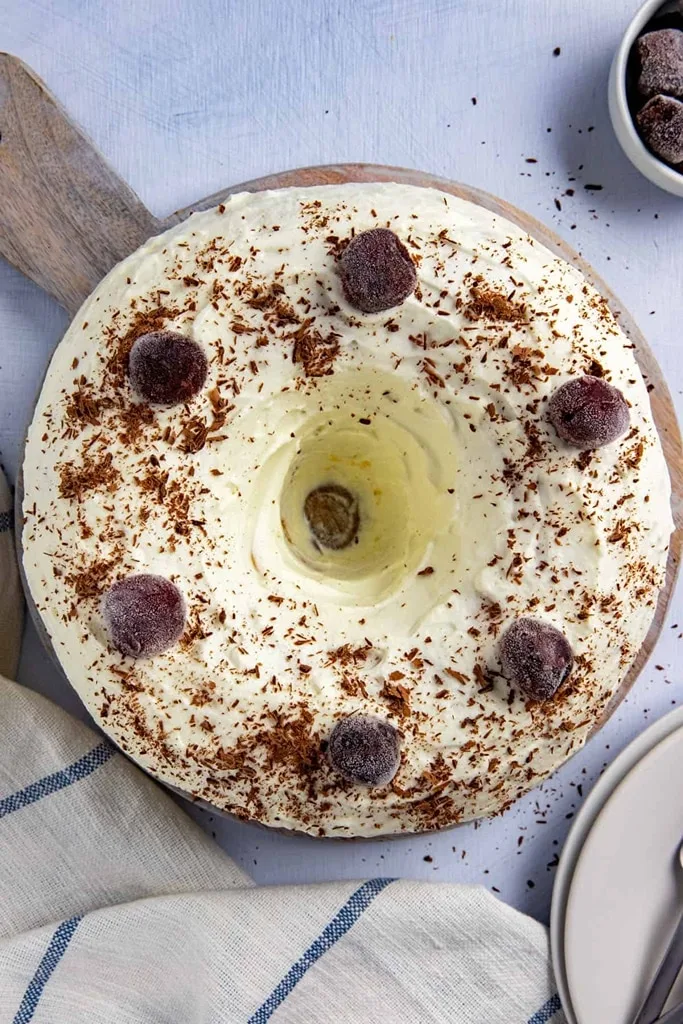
[(65, 216)]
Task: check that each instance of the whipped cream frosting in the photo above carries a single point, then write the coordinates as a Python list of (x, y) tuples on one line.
[(433, 414)]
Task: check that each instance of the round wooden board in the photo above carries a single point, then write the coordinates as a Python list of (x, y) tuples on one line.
[(660, 398)]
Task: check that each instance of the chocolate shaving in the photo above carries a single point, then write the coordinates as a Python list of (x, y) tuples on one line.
[(314, 352), (85, 408), (74, 481), (398, 697), (486, 304), (91, 581)]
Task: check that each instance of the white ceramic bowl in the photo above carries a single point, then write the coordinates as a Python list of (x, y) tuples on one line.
[(631, 143)]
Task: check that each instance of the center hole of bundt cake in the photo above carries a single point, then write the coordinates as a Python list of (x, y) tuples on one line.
[(363, 486), (346, 506)]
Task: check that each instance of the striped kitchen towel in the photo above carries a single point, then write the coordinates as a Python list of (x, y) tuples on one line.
[(117, 909)]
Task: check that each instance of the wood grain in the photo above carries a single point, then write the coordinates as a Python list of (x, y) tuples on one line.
[(66, 217)]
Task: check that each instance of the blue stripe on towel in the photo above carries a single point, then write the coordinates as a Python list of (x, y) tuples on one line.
[(547, 1012), (338, 926), (80, 769), (6, 521), (51, 957)]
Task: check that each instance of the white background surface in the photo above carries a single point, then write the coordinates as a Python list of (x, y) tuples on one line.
[(186, 97)]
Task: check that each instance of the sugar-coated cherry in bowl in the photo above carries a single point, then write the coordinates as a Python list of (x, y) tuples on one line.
[(625, 106)]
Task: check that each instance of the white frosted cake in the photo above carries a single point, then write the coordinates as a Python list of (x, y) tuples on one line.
[(344, 508)]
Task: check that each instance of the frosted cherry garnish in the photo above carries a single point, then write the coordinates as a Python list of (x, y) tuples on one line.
[(536, 657), (377, 271), (166, 368), (365, 749), (587, 412), (144, 615)]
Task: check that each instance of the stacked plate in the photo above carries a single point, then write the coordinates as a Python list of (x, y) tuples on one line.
[(618, 894)]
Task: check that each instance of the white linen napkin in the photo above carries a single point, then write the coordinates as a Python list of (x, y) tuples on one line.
[(115, 908)]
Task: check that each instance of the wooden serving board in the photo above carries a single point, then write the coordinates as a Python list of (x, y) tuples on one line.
[(66, 218)]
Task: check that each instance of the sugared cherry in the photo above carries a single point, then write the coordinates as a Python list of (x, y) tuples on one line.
[(536, 657), (166, 368), (660, 123), (587, 412), (332, 515), (661, 62), (365, 749), (144, 614), (377, 271)]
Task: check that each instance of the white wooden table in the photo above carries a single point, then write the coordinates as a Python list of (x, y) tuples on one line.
[(184, 98)]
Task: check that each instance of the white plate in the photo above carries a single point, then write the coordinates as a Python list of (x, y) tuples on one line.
[(625, 896), (583, 823)]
